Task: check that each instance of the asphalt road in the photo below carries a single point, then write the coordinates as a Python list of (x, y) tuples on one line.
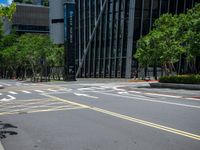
[(97, 115)]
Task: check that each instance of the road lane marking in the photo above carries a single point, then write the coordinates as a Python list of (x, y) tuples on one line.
[(45, 110), (66, 101), (53, 109), (123, 92), (39, 91), (8, 99), (151, 100), (51, 90), (11, 92), (26, 92), (6, 84), (0, 93), (132, 119), (194, 99), (164, 95), (135, 92), (29, 100), (86, 95)]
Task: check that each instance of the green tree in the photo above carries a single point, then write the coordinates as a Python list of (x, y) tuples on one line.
[(173, 38), (7, 11)]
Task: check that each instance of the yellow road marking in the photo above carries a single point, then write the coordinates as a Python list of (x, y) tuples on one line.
[(135, 120), (36, 111)]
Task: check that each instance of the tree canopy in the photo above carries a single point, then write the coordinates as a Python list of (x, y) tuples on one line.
[(30, 52), (7, 11), (172, 39)]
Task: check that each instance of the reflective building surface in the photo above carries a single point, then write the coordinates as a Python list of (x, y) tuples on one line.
[(107, 32), (123, 22)]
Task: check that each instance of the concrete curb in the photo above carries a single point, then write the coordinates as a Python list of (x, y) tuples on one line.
[(176, 86), (1, 146)]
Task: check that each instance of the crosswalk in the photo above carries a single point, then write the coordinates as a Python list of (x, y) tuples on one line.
[(34, 105), (17, 84), (6, 94)]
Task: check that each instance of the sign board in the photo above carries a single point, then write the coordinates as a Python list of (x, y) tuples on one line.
[(69, 39)]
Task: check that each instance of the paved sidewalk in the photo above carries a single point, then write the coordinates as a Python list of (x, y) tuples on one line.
[(1, 146)]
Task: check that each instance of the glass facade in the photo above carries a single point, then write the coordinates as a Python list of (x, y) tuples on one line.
[(108, 53)]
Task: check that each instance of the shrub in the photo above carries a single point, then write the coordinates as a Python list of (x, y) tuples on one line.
[(184, 79)]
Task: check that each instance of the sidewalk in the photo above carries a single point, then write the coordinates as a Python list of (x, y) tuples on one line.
[(1, 146), (176, 86)]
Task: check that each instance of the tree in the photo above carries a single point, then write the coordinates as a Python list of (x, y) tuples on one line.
[(37, 51), (7, 11), (173, 38)]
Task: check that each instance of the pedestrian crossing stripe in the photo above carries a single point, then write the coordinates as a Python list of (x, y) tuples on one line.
[(52, 90), (11, 92), (26, 92), (40, 91)]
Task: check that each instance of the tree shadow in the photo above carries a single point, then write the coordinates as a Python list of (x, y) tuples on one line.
[(6, 129)]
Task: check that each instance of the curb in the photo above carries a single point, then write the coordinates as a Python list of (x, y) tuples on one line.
[(176, 86), (1, 146)]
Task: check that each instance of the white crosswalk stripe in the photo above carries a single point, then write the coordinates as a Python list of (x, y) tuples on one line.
[(40, 91), (52, 90), (11, 92), (6, 84), (0, 93), (26, 92)]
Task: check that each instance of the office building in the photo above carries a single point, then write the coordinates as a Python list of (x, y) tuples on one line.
[(29, 18), (107, 31)]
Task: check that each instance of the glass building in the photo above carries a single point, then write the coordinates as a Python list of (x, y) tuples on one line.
[(107, 32), (109, 52)]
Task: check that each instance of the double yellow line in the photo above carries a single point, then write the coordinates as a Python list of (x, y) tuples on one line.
[(131, 119)]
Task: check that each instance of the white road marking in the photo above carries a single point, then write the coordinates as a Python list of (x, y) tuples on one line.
[(164, 95), (86, 95), (83, 89), (151, 100), (6, 84), (39, 91), (123, 92), (195, 99), (0, 93), (11, 92), (116, 88), (135, 92), (26, 92), (52, 90), (9, 99)]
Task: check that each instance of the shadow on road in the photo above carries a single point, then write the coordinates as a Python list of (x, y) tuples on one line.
[(6, 129)]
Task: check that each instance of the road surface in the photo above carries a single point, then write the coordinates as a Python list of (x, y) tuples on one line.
[(89, 115)]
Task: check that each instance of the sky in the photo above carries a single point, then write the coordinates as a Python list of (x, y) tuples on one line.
[(5, 2)]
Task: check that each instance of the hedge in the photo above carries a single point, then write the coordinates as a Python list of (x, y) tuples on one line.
[(184, 79)]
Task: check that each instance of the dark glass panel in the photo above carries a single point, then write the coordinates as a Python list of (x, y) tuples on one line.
[(137, 28), (147, 9), (146, 25), (156, 5), (172, 8)]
